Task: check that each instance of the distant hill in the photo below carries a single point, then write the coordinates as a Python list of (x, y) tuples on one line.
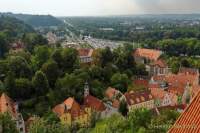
[(36, 20), (14, 27)]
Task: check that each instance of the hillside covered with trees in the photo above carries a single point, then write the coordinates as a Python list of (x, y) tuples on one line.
[(36, 20)]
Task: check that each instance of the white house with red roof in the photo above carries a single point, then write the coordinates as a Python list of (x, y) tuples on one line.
[(85, 55), (158, 67), (136, 100)]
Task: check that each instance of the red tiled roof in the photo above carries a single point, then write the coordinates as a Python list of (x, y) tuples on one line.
[(70, 106), (160, 63), (141, 82), (138, 97), (153, 85), (195, 90), (94, 103), (177, 82), (85, 52), (189, 121), (7, 105), (148, 53), (190, 71), (181, 106), (158, 93)]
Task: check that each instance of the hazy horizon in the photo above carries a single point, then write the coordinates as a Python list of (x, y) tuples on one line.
[(100, 7)]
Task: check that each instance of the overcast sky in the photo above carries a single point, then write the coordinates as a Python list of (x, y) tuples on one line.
[(99, 7)]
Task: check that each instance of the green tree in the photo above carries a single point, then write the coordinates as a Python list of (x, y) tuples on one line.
[(23, 88), (70, 59), (51, 70), (32, 39), (123, 108), (24, 54), (7, 124), (3, 69), (120, 81), (41, 55), (71, 85), (2, 88), (106, 56), (40, 83), (114, 124), (57, 57), (51, 118), (162, 122), (19, 66), (42, 126), (10, 83), (139, 118), (3, 44)]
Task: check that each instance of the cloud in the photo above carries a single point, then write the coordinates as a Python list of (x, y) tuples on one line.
[(169, 6), (99, 7)]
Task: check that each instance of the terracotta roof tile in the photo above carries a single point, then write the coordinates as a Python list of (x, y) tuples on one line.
[(137, 97), (190, 71), (177, 82), (195, 90), (160, 63), (148, 53), (158, 93), (70, 106), (85, 52), (94, 103), (7, 105), (141, 82), (189, 121)]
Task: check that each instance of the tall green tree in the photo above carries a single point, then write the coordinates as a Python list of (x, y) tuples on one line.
[(57, 57), (52, 72), (3, 44), (139, 118), (7, 124), (120, 81), (123, 108), (32, 39), (10, 83), (106, 56), (23, 88), (70, 59), (19, 66), (41, 55), (40, 83)]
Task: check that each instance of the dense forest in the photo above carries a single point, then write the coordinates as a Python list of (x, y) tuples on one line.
[(36, 20)]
